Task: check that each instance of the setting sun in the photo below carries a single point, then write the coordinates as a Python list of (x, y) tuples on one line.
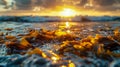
[(68, 12)]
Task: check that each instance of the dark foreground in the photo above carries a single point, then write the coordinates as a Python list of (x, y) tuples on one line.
[(62, 44)]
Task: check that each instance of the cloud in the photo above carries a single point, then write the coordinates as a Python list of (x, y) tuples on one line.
[(106, 5), (49, 4), (82, 2), (37, 5), (6, 4), (23, 4), (104, 2), (3, 3), (30, 4), (100, 5)]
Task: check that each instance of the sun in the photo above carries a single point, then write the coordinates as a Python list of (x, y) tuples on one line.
[(67, 12)]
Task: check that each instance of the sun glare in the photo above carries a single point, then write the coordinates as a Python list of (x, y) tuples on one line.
[(67, 24), (67, 12)]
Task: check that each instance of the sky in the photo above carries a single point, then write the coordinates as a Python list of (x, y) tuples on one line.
[(52, 7)]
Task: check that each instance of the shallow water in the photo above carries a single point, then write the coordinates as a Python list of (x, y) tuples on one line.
[(81, 29)]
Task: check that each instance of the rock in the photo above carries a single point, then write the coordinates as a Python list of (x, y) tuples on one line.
[(37, 51), (11, 44), (9, 29), (2, 40), (1, 34), (11, 38), (30, 39), (21, 35), (109, 44), (66, 37), (48, 32), (34, 34), (24, 43)]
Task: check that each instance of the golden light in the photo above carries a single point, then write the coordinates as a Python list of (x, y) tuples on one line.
[(68, 27), (55, 59), (63, 66), (60, 33), (67, 12), (67, 24), (68, 31), (71, 64), (64, 29)]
